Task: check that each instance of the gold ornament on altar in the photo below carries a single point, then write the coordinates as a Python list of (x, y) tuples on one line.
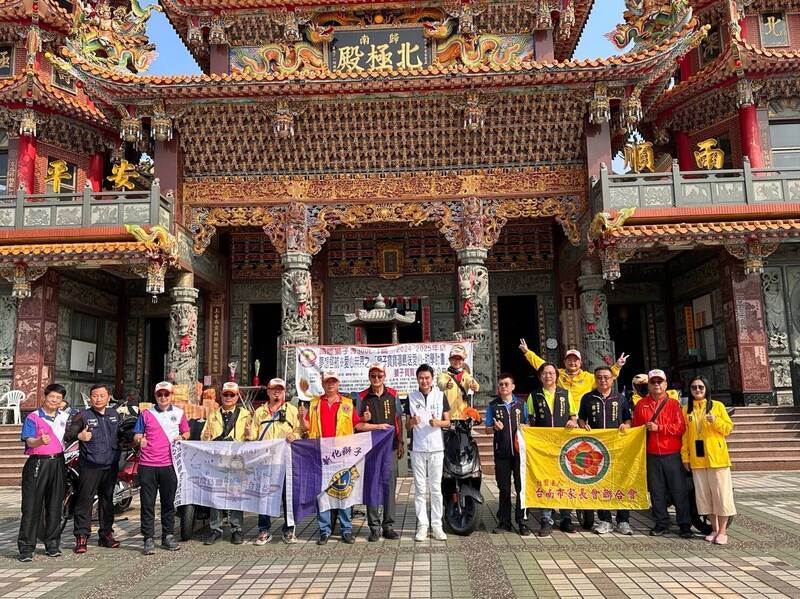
[(639, 156), (57, 173), (709, 156), (122, 174)]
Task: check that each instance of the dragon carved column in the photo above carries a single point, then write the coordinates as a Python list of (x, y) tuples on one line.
[(182, 349), (598, 347), (473, 230)]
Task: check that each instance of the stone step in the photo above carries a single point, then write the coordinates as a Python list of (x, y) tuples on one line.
[(764, 463), (772, 425), (764, 433), (765, 418), (12, 480), (776, 440), (753, 410)]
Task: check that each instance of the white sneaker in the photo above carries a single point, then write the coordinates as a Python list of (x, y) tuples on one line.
[(438, 533), (604, 528), (422, 535), (624, 528)]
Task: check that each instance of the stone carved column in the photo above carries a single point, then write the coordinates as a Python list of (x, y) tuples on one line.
[(597, 348), (745, 335), (182, 350), (36, 332), (474, 312), (297, 325)]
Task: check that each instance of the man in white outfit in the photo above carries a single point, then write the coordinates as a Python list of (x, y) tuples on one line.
[(426, 415)]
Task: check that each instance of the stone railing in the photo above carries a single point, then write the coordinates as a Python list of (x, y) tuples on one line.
[(680, 189), (87, 209)]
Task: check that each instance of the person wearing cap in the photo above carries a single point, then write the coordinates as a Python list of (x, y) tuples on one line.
[(663, 418), (381, 410), (456, 383), (230, 422), (605, 409), (639, 386), (276, 419), (155, 431), (43, 475), (330, 415), (576, 381), (549, 407)]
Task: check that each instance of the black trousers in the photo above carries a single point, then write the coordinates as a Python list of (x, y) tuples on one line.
[(504, 469), (159, 479), (389, 505), (100, 481), (622, 516), (42, 502), (666, 479)]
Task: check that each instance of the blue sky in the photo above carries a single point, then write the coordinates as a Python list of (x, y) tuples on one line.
[(174, 59)]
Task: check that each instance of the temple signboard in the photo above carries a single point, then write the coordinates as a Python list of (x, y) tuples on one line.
[(378, 49)]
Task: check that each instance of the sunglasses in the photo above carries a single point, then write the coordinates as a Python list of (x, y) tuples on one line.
[(229, 395), (697, 387), (163, 394), (376, 375)]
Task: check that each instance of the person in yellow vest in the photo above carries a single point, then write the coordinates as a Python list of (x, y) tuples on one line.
[(276, 419), (456, 382), (639, 386), (229, 423), (331, 415), (705, 452), (576, 381)]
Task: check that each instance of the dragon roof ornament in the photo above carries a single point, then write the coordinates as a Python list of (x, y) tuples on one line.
[(650, 22), (114, 38)]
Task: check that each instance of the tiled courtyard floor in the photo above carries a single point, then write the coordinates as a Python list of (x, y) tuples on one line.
[(762, 560)]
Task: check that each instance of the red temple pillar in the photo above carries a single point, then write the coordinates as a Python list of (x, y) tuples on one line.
[(598, 147), (543, 45), (685, 155), (686, 68), (745, 335), (218, 59), (95, 172), (751, 136), (26, 162), (37, 329)]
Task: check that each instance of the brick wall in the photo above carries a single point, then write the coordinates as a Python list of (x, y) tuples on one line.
[(46, 153)]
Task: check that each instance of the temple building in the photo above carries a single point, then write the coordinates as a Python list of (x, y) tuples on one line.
[(448, 160)]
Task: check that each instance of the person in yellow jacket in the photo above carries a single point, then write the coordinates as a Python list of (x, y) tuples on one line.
[(276, 419), (705, 453), (456, 383), (230, 423), (576, 381), (639, 386), (331, 415)]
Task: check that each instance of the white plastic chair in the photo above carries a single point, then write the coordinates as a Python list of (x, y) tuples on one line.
[(10, 403)]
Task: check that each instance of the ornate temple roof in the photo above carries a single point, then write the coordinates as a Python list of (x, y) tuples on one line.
[(50, 13), (254, 22)]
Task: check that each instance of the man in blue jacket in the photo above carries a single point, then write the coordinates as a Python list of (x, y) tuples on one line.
[(504, 415), (96, 428)]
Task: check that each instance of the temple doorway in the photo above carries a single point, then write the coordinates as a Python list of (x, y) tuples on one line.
[(265, 333), (627, 327), (517, 318), (156, 342)]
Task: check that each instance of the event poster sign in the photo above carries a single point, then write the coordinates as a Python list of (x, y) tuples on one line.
[(599, 469), (351, 361), (231, 475)]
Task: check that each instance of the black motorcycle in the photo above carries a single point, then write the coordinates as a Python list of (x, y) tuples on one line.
[(188, 514), (461, 478)]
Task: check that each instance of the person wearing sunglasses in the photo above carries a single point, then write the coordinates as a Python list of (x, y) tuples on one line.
[(381, 410), (155, 431), (231, 422), (276, 419), (705, 454)]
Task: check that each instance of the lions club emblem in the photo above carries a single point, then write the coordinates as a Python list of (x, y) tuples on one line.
[(584, 460), (341, 484)]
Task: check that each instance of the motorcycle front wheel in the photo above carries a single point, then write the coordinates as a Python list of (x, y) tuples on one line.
[(462, 520), (124, 504), (187, 521)]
